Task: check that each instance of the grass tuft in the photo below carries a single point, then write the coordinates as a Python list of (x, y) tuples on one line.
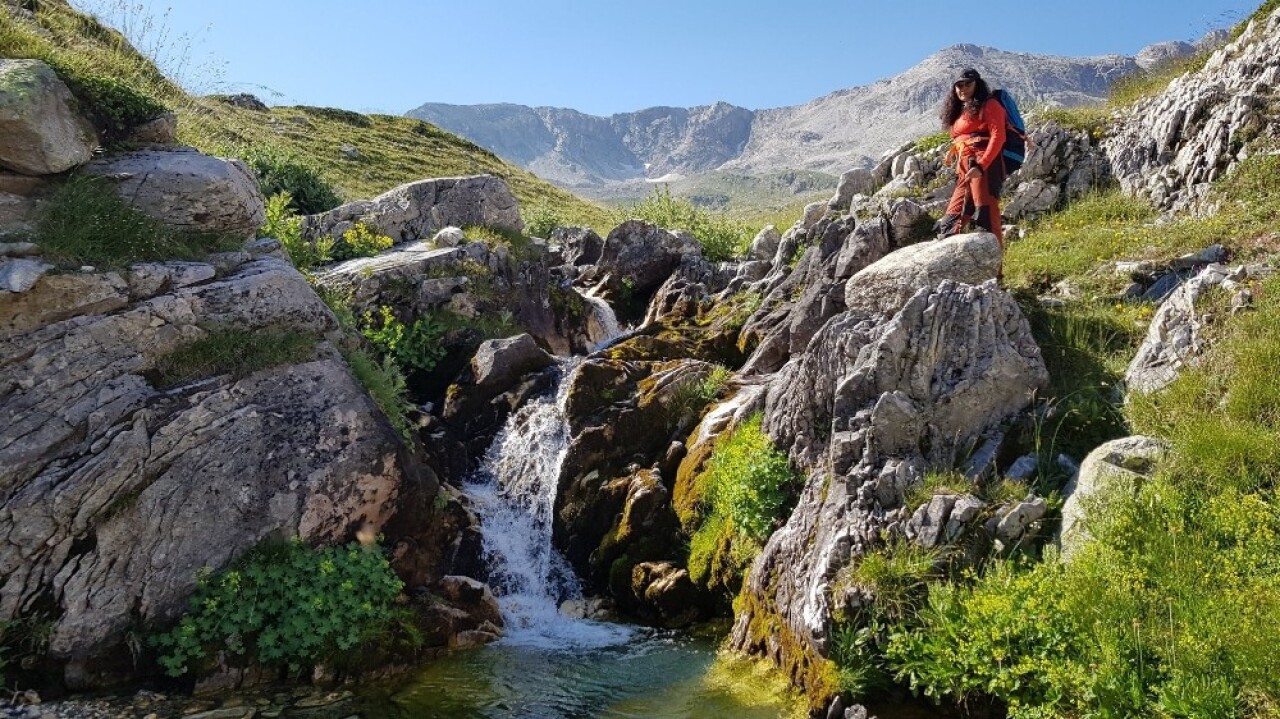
[(86, 223), (235, 351)]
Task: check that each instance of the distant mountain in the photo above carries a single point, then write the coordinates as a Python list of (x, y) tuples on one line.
[(848, 128)]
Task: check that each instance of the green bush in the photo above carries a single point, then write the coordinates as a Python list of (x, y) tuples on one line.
[(287, 605), (721, 238), (285, 225), (235, 351), (542, 220), (360, 241), (386, 386), (932, 142), (418, 346), (114, 106), (280, 172), (85, 223)]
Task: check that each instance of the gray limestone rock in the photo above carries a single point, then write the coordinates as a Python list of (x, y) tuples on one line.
[(858, 181), (41, 131), (765, 244), (1174, 337), (106, 481), (20, 275), (1117, 466), (186, 189), (449, 237), (417, 210), (1169, 147), (499, 363), (886, 284)]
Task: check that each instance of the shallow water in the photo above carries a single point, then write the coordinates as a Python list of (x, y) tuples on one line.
[(653, 675)]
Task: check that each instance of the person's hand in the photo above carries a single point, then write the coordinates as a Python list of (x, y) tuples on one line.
[(974, 173)]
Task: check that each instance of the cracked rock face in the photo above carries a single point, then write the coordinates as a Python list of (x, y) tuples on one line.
[(914, 374), (1171, 146), (114, 493), (186, 189)]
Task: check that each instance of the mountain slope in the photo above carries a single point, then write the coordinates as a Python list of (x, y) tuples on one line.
[(845, 129)]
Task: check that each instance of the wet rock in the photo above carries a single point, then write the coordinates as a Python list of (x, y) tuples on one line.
[(582, 246), (669, 597), (497, 364), (637, 257)]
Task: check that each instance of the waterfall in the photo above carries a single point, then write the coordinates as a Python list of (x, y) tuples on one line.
[(602, 325), (514, 494)]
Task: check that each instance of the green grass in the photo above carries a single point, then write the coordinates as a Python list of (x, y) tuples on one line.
[(721, 237), (234, 351), (394, 150), (85, 223), (932, 142)]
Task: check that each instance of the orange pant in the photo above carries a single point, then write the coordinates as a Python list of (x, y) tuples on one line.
[(977, 199)]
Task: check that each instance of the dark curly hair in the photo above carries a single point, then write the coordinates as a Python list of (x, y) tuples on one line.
[(952, 107)]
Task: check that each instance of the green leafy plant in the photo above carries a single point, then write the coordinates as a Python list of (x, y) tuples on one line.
[(360, 241), (85, 223), (418, 346), (542, 220), (114, 106), (278, 171), (721, 238), (385, 383), (287, 605), (284, 225), (235, 351)]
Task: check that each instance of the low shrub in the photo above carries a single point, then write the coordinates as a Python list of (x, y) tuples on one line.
[(112, 105), (417, 346), (721, 238), (347, 117), (235, 351), (360, 241), (385, 383), (280, 172), (86, 223), (287, 605), (542, 220), (932, 142), (285, 225)]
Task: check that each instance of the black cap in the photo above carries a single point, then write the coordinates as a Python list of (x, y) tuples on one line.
[(968, 74)]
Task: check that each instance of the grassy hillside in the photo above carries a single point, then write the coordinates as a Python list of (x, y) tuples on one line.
[(122, 85)]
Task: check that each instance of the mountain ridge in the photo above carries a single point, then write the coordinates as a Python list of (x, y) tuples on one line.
[(846, 128)]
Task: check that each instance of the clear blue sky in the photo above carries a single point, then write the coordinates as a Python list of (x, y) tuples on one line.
[(606, 56)]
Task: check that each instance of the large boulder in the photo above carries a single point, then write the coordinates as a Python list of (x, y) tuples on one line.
[(637, 257), (1119, 466), (417, 210), (41, 129), (916, 374), (499, 363), (108, 482), (186, 189), (972, 259)]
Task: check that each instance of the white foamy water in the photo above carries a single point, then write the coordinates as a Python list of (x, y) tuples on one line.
[(514, 493), (603, 327)]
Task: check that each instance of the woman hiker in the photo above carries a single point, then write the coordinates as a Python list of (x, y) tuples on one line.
[(977, 122)]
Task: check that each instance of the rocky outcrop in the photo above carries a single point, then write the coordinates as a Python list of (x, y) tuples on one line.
[(1170, 147), (1174, 338), (417, 210), (108, 482), (636, 258), (613, 508), (916, 373), (1062, 165), (41, 129), (186, 189), (1119, 466)]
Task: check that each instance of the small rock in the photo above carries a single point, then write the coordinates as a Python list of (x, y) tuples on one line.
[(351, 152), (449, 237), (20, 275), (1163, 287), (1023, 467), (162, 130)]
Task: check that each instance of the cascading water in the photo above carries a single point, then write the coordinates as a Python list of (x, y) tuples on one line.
[(514, 495), (602, 326)]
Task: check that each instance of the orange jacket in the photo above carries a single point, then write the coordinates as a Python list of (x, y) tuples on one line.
[(984, 132)]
